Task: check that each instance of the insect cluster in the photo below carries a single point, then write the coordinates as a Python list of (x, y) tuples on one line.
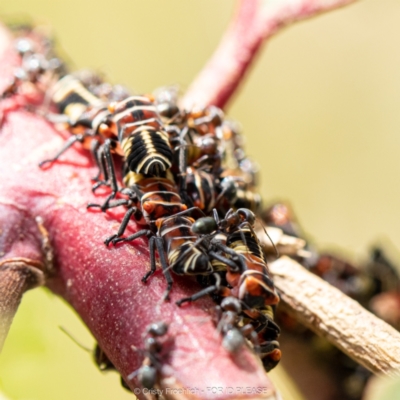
[(187, 183)]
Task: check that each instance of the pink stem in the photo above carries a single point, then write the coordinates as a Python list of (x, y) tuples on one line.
[(254, 23)]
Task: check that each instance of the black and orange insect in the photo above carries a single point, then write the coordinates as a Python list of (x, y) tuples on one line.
[(201, 188), (192, 133), (155, 203), (131, 128), (249, 277), (239, 262)]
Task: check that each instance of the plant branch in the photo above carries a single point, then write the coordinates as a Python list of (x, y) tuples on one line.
[(328, 312), (16, 277), (25, 258), (45, 219), (255, 22)]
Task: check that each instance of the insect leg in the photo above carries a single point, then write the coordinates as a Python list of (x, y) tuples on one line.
[(121, 202), (182, 167), (103, 170), (57, 118), (223, 259), (164, 265), (202, 293), (249, 332), (116, 203), (73, 139), (232, 253), (265, 322), (109, 174), (94, 149), (216, 216), (224, 248), (143, 232), (152, 259), (122, 227), (110, 166)]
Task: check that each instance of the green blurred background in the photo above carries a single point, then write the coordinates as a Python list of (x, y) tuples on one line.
[(320, 113)]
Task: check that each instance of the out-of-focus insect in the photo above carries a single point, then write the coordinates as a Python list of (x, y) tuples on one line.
[(148, 373), (208, 192), (239, 177), (204, 140), (268, 333), (229, 325), (105, 91), (383, 270), (288, 235), (281, 216), (201, 189), (197, 156), (235, 193), (39, 66)]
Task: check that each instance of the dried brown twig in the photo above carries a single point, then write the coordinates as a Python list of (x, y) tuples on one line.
[(344, 322), (29, 261), (16, 277)]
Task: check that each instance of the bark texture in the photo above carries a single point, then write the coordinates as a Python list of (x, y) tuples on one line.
[(344, 322), (16, 276)]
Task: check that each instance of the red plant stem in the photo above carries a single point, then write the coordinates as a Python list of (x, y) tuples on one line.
[(21, 259), (104, 284), (254, 23)]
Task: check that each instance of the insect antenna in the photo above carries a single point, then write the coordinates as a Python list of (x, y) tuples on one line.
[(269, 237), (83, 347)]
